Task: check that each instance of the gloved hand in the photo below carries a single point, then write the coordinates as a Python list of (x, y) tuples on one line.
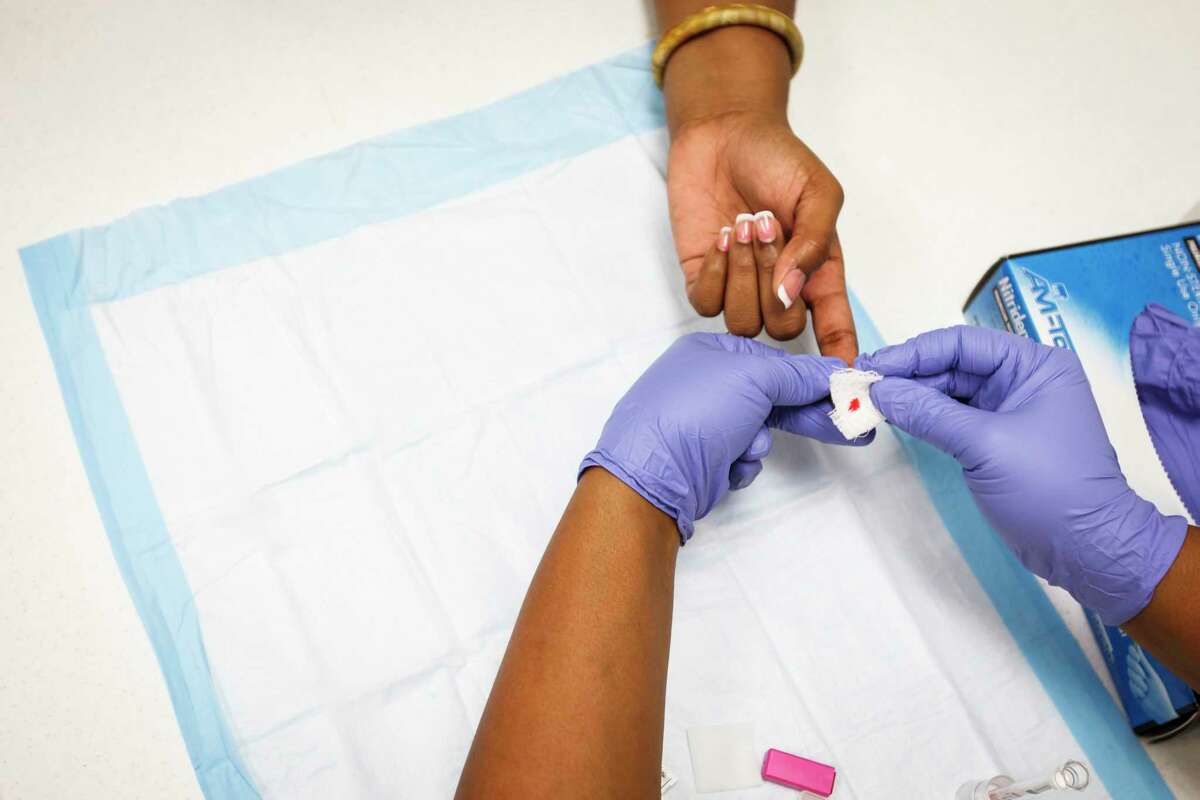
[(697, 423), (1035, 456)]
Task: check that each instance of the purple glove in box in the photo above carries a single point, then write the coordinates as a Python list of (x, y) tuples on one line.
[(1165, 354)]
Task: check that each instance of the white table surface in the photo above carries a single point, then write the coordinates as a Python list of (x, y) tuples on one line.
[(961, 131)]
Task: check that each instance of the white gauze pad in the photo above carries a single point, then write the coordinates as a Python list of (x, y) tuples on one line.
[(853, 412), (723, 757)]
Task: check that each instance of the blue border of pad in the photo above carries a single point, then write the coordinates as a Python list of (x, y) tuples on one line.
[(136, 530), (383, 179), (324, 198), (1056, 658), (374, 181)]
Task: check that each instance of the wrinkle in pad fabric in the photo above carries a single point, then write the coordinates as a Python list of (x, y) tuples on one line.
[(327, 473)]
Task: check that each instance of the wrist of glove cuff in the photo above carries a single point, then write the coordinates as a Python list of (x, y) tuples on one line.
[(1120, 571), (661, 492)]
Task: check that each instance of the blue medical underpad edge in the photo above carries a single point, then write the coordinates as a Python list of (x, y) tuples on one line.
[(136, 530)]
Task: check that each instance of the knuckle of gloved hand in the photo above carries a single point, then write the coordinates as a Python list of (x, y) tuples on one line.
[(989, 444)]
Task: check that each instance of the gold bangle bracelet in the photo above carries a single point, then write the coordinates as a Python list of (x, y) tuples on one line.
[(722, 16)]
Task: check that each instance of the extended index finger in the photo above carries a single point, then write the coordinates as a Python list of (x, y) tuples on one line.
[(833, 321)]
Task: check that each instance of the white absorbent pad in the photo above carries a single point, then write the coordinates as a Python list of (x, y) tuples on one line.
[(331, 417), (724, 757), (854, 413)]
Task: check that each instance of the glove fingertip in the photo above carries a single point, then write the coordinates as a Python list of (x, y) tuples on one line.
[(862, 441), (891, 359), (743, 473), (760, 445)]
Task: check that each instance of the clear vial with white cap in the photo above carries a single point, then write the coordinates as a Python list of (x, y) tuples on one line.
[(1071, 775)]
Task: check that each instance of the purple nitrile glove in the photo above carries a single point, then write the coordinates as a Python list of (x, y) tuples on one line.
[(1036, 457), (697, 423), (1164, 351)]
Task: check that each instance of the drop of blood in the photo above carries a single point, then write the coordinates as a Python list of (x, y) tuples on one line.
[(854, 404)]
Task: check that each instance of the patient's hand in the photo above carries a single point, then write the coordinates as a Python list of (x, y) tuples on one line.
[(734, 152)]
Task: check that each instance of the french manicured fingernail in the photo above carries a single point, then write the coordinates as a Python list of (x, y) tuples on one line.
[(764, 224), (789, 287), (723, 239), (744, 225)]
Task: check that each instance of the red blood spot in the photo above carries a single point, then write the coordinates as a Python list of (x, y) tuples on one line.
[(854, 404)]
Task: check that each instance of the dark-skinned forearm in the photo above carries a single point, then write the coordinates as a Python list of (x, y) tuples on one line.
[(577, 707), (1170, 626)]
